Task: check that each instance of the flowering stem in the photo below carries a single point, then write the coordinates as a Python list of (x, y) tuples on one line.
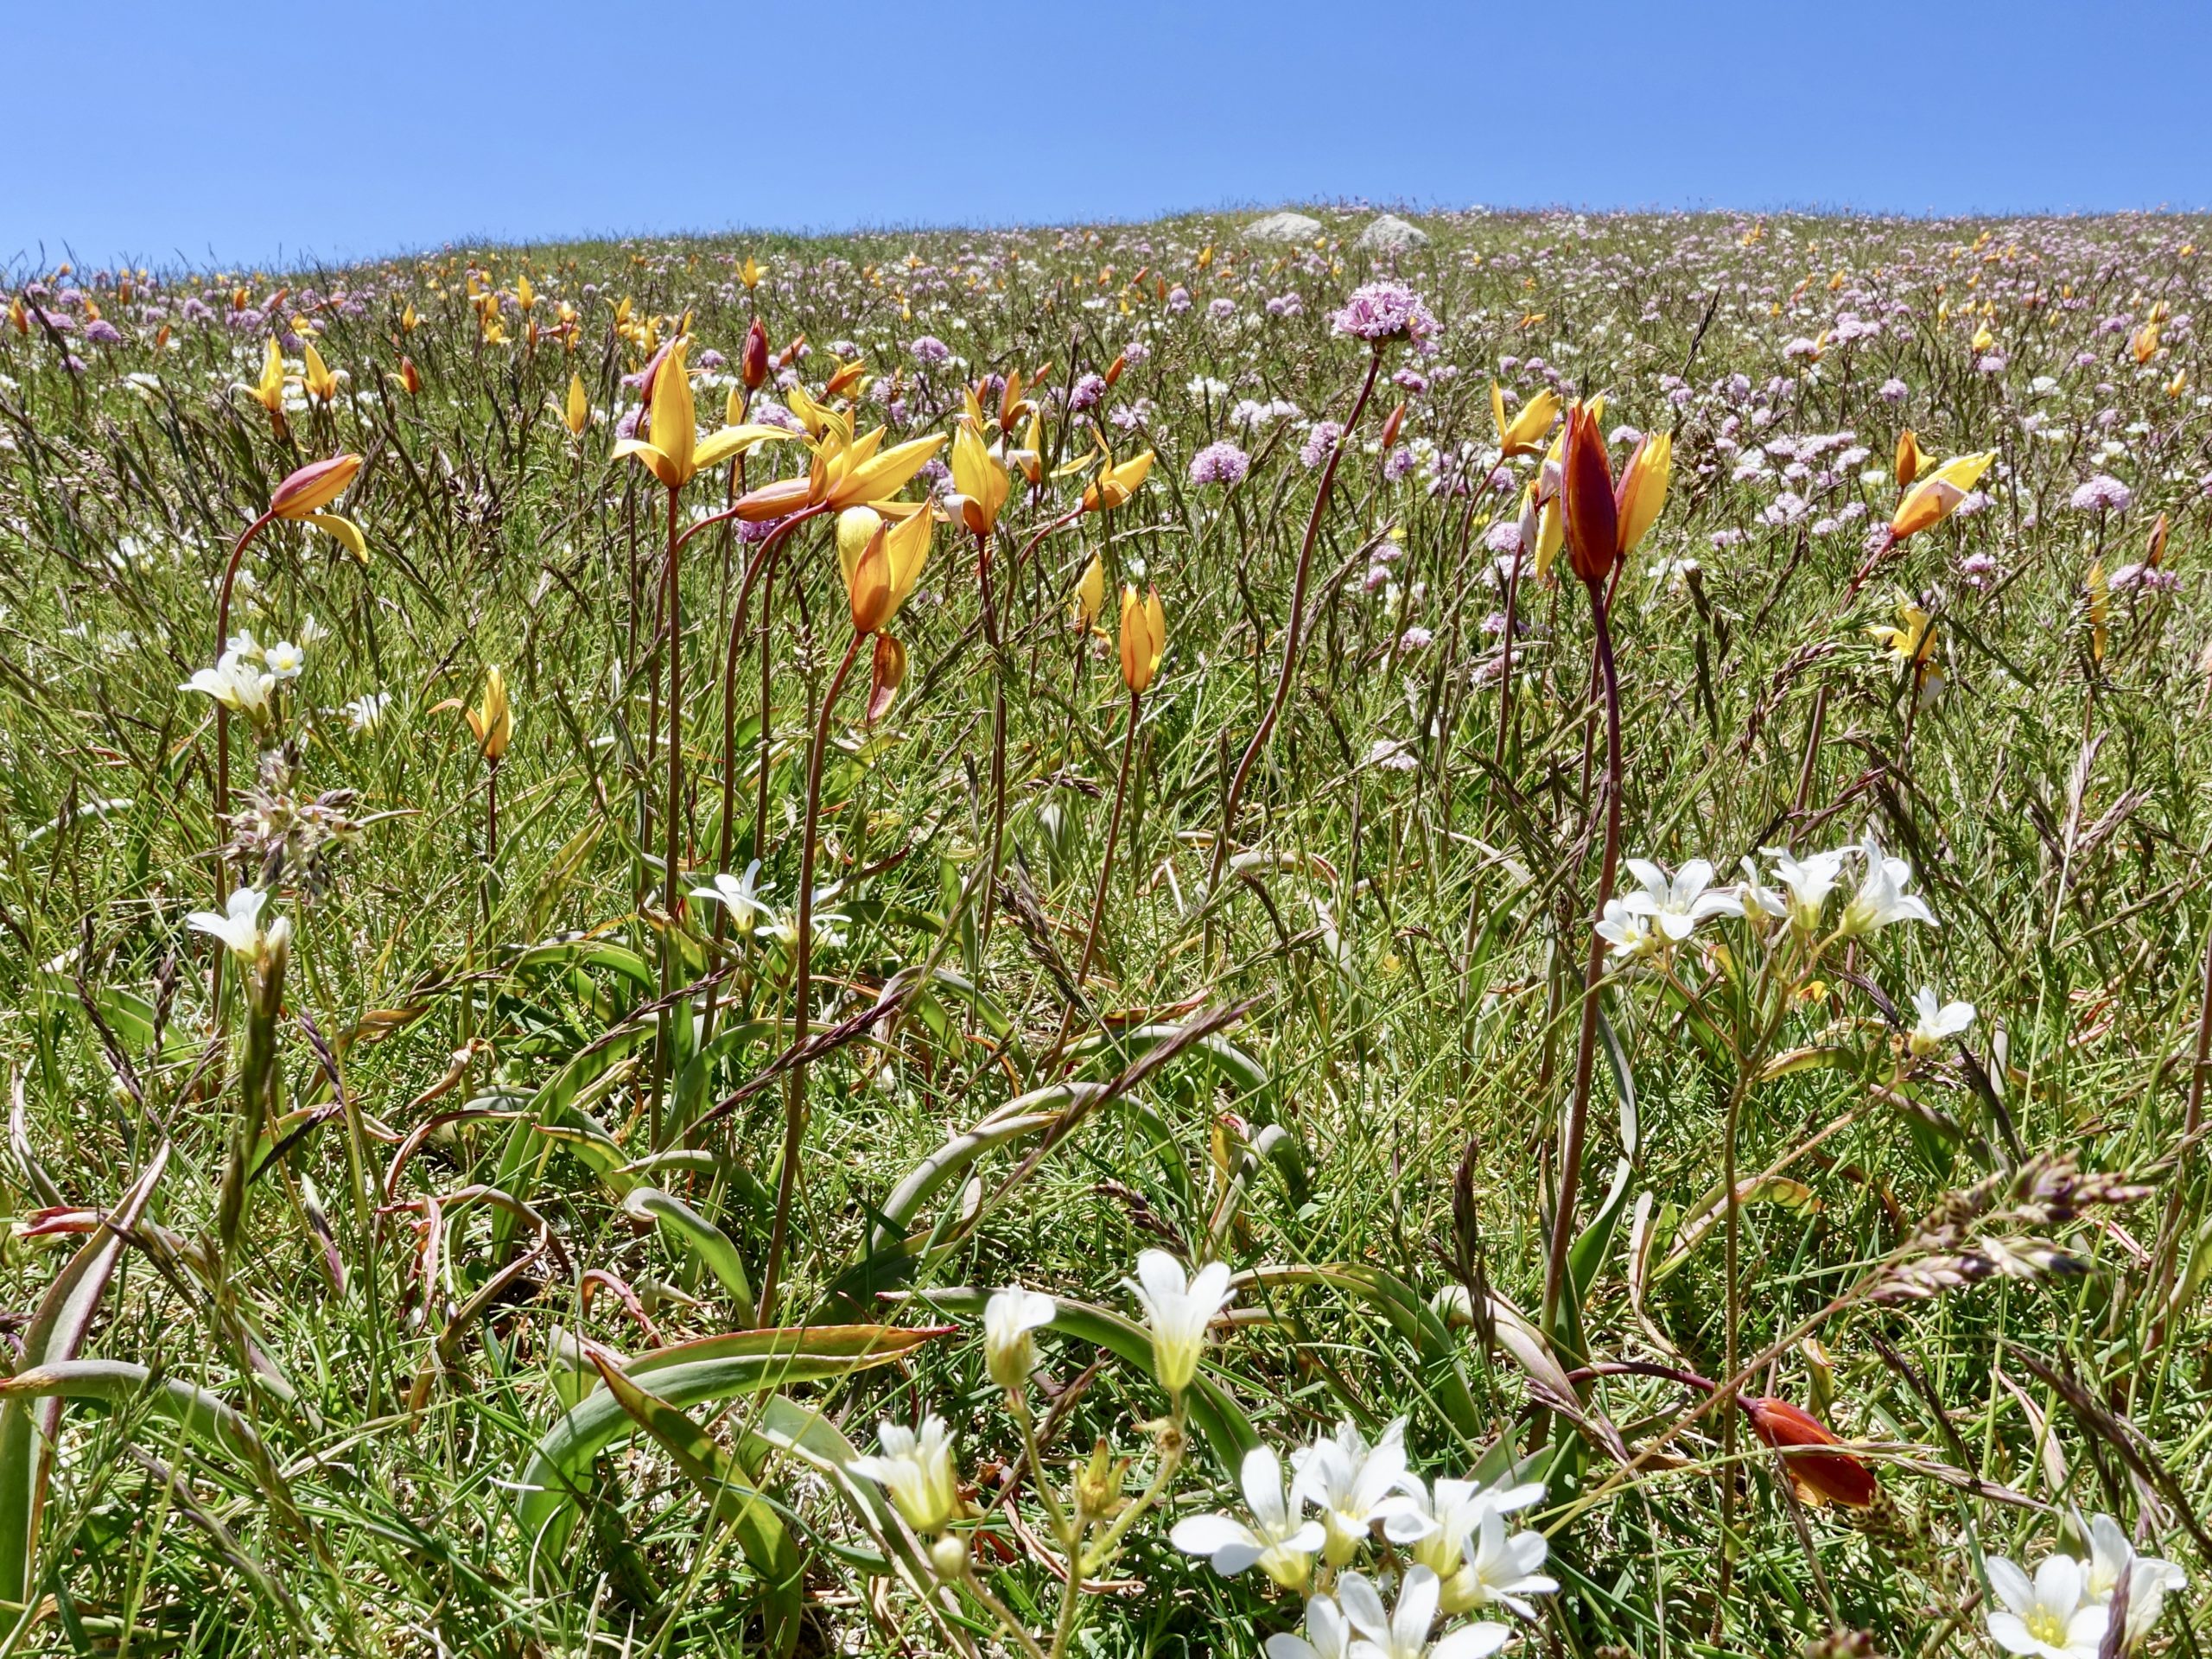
[(1593, 973), (1266, 725), (222, 642), (803, 991), (1505, 662), (998, 741), (1113, 835)]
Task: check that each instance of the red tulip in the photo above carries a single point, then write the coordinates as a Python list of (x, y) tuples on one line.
[(1592, 521), (1819, 1477)]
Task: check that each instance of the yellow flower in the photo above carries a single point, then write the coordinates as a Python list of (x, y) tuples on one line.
[(1912, 640), (577, 415), (320, 381), (1115, 484), (1144, 639), (1910, 460), (750, 273), (1090, 594), (880, 562), (305, 493), (269, 391), (675, 454), (1931, 501), (1521, 435), (2144, 342), (494, 723), (2100, 592), (980, 478), (1643, 489)]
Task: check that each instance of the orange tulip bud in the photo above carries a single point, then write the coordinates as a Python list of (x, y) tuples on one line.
[(410, 376), (2155, 554), (1144, 639), (1592, 522), (314, 486), (1909, 459), (888, 669), (753, 362), (1819, 1477), (1390, 426), (1114, 369)]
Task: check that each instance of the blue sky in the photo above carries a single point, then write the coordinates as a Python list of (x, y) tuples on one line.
[(251, 132)]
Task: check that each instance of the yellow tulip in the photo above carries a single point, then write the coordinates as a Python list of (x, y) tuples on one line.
[(880, 575), (675, 454), (868, 477), (1643, 489), (1144, 639), (577, 415), (1913, 638), (2143, 343), (494, 723), (320, 381), (1090, 594), (269, 391), (1115, 484), (981, 481), (1521, 435), (1931, 500), (750, 273), (306, 492), (1910, 460)]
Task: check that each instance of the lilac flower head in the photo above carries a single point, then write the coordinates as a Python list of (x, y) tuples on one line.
[(1220, 463), (929, 349), (1319, 442), (101, 332), (1384, 310), (1086, 392), (2103, 493), (1221, 311)]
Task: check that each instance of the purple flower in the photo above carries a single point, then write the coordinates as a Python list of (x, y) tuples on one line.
[(1220, 463), (101, 332), (1179, 298), (1411, 380), (929, 349), (1384, 311), (2103, 493), (1286, 305), (1086, 392), (1135, 352), (1319, 441), (1401, 462), (710, 359), (1221, 311)]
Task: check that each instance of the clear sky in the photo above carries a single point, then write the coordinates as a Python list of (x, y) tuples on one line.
[(246, 132)]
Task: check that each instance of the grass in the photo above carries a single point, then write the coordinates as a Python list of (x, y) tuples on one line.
[(517, 1115)]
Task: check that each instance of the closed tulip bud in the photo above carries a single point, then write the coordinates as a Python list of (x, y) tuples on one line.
[(160, 336), (856, 528), (18, 318), (1820, 1476), (1090, 594), (733, 406), (1114, 369), (494, 723), (887, 670), (1397, 419), (411, 378), (577, 415), (883, 575), (753, 362), (1643, 489), (314, 486), (981, 481), (2154, 554), (1910, 460), (1144, 639), (1591, 520)]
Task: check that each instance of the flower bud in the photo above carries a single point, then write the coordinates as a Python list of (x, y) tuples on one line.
[(1009, 1352), (1819, 1477), (753, 361), (314, 486), (1397, 419), (948, 1555), (1592, 520)]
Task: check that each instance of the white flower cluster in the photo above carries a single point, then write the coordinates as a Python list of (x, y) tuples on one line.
[(2066, 1610)]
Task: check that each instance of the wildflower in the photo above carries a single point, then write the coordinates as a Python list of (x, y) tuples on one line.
[(1385, 310), (1628, 932), (1115, 485), (1320, 438), (1090, 594), (1820, 1476), (2046, 1618), (1524, 432), (1009, 1353), (284, 661), (494, 723), (1677, 903), (2103, 493), (981, 478), (238, 684), (1279, 1541), (1642, 490), (1931, 501), (1881, 899), (675, 454), (740, 896), (1178, 1311), (306, 491), (240, 926), (1442, 1530), (365, 713), (1352, 1484), (916, 1469), (1909, 459), (2149, 1580), (1328, 1636), (1937, 1023), (1144, 639), (1501, 1566), (1585, 493), (880, 565), (1220, 463), (1403, 1632), (1809, 880)]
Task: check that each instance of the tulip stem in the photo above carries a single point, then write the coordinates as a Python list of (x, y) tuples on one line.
[(1113, 835), (222, 792), (998, 745), (801, 992), (1593, 973), (1505, 660), (1275, 709)]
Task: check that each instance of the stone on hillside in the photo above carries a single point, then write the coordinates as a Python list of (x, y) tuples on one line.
[(1390, 234), (1283, 227)]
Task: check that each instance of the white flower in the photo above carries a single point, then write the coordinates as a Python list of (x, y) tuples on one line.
[(1278, 1540), (1353, 1484), (1503, 1566), (2047, 1619), (1938, 1022), (1678, 904), (1809, 881), (1441, 1527), (284, 661), (916, 1469), (1629, 931), (1402, 1633), (741, 896), (1008, 1317), (365, 713), (244, 645), (1178, 1311), (1327, 1635), (2149, 1579), (238, 925), (236, 683), (1882, 898)]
